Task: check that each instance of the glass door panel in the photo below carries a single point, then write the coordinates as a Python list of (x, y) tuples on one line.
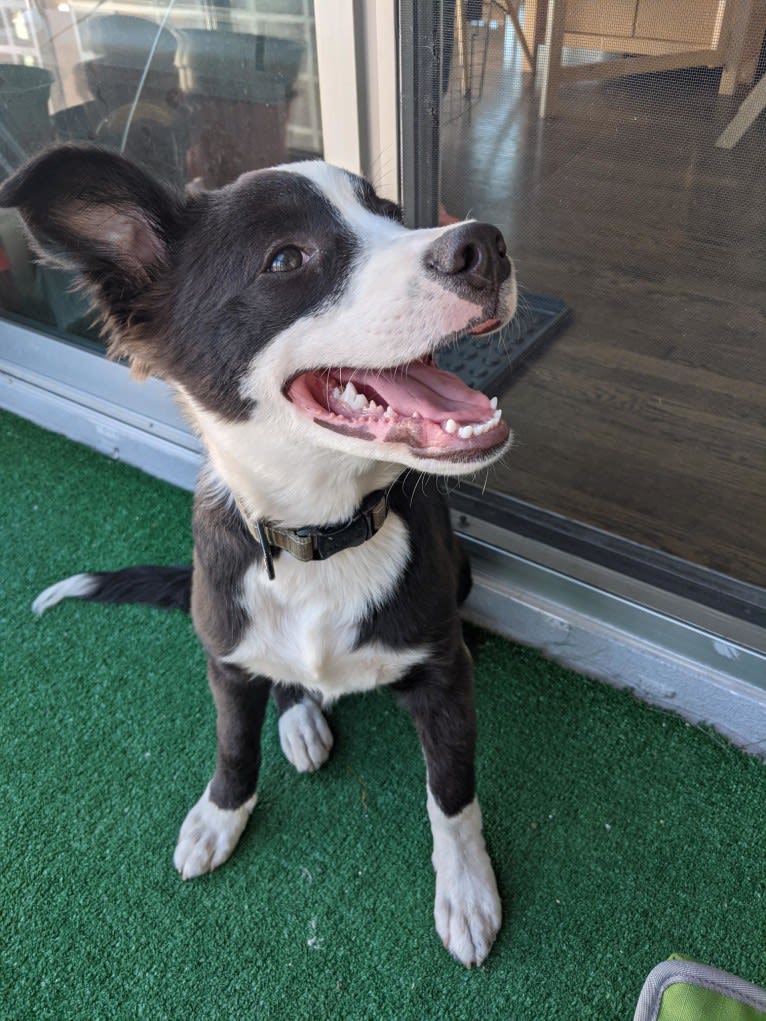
[(195, 92), (630, 190)]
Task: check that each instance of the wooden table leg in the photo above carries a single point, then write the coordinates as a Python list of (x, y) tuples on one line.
[(533, 24), (752, 107), (528, 35), (551, 71)]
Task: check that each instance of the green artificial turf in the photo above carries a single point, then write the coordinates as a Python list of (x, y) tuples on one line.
[(619, 834)]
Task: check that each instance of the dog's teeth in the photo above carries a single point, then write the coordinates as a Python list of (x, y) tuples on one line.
[(373, 408), (351, 397), (415, 414), (497, 416), (493, 402), (389, 412), (465, 432), (491, 423)]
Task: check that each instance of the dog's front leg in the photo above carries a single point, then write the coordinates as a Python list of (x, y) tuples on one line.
[(213, 827), (467, 907)]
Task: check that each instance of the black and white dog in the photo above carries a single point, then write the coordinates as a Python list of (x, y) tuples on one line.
[(297, 320)]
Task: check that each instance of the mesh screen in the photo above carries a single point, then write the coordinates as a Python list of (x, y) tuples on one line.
[(629, 187)]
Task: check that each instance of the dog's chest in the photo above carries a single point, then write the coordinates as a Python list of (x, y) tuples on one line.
[(303, 626)]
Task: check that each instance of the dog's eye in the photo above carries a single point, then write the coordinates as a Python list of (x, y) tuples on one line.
[(285, 260)]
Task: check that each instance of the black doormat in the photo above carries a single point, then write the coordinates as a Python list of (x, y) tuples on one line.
[(488, 363)]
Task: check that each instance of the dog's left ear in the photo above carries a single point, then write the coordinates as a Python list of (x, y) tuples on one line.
[(96, 213)]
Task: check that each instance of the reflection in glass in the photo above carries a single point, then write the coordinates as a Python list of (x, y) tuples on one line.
[(196, 93), (629, 197)]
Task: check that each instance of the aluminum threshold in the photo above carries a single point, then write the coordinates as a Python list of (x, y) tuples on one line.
[(663, 660), (671, 652)]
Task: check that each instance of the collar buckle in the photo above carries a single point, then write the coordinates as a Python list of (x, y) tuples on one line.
[(327, 541), (311, 543)]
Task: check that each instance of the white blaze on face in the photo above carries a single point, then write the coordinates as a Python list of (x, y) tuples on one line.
[(393, 307), (390, 313)]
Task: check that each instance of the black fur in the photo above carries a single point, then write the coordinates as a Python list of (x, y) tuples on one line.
[(240, 702), (225, 308), (153, 585), (225, 549), (438, 695), (371, 201)]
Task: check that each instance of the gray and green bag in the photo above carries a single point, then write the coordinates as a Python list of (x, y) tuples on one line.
[(681, 990)]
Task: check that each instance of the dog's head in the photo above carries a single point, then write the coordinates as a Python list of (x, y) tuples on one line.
[(293, 297)]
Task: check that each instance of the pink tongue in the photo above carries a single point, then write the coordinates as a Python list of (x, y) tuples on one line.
[(424, 389)]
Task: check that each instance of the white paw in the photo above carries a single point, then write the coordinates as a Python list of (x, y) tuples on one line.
[(304, 735), (209, 835), (467, 909)]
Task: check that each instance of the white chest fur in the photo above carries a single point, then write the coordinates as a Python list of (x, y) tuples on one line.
[(303, 625)]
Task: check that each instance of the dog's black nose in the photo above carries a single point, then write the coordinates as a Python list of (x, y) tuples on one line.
[(471, 253)]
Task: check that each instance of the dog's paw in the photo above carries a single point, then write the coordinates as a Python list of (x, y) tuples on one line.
[(209, 835), (305, 736), (467, 909)]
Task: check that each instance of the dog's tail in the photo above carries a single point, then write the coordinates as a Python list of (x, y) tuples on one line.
[(169, 587)]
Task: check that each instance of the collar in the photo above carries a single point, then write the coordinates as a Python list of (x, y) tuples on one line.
[(313, 543)]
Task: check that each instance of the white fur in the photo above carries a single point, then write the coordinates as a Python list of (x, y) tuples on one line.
[(209, 835), (78, 586), (338, 188), (305, 738), (283, 477), (467, 908), (305, 622), (392, 313)]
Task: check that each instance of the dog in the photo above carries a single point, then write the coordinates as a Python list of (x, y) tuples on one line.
[(296, 319)]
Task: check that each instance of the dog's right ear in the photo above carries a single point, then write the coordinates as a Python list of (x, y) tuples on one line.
[(89, 210), (96, 213)]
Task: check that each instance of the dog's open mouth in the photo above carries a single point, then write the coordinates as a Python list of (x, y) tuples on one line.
[(432, 411)]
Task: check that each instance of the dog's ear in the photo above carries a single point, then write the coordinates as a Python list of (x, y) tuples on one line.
[(96, 213), (91, 210)]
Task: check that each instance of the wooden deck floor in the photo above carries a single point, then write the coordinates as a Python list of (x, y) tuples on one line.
[(647, 416)]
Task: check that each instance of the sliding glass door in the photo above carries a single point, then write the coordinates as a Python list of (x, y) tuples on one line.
[(605, 140), (618, 145), (194, 92)]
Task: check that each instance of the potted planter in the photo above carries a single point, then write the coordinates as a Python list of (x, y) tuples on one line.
[(239, 88)]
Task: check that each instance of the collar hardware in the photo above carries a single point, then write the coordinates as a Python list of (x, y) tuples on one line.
[(313, 543)]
